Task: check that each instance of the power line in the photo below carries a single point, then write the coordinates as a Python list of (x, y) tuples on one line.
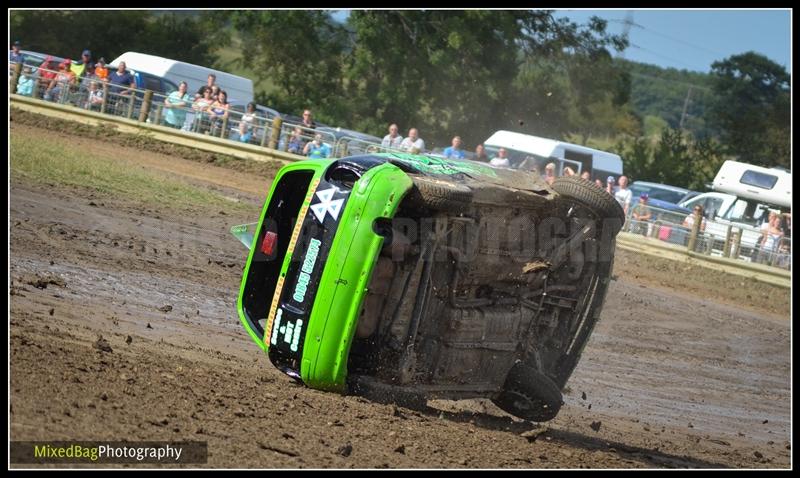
[(679, 40), (665, 57), (690, 85)]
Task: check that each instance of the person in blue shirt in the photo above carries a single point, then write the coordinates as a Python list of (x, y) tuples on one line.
[(455, 151), (15, 56), (176, 105), (122, 85), (317, 149), (25, 84)]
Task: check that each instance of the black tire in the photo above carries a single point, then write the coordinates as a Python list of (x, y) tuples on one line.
[(529, 394), (440, 195), (593, 197)]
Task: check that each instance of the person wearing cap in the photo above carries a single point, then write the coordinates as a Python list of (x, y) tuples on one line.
[(623, 195), (15, 56), (641, 214), (63, 81), (85, 67), (610, 181)]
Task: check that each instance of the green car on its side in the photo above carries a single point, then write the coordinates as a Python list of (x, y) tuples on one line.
[(412, 274)]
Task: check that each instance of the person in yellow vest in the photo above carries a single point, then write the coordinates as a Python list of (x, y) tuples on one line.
[(84, 67)]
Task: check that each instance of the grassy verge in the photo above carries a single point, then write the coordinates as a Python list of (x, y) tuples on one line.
[(44, 161)]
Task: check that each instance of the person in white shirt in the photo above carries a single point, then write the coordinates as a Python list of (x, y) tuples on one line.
[(501, 160), (392, 140), (413, 143), (623, 195)]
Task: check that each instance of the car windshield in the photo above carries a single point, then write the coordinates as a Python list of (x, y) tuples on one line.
[(654, 192)]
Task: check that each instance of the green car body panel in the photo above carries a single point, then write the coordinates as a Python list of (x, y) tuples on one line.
[(346, 272)]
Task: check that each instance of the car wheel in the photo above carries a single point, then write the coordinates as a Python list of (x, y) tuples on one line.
[(440, 195), (529, 394), (596, 199)]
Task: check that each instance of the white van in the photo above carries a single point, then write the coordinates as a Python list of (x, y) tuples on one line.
[(744, 195), (237, 87), (770, 185), (532, 152)]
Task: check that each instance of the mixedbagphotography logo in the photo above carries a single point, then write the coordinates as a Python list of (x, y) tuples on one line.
[(86, 452)]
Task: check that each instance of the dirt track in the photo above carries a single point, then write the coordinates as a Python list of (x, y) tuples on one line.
[(672, 377)]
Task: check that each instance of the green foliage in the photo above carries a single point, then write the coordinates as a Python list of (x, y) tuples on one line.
[(675, 159), (109, 33), (301, 51), (752, 108)]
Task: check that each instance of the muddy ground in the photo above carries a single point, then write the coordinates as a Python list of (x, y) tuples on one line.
[(675, 375)]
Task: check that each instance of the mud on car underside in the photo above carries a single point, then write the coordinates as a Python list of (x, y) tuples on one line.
[(488, 284)]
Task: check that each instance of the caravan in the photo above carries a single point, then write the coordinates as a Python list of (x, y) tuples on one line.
[(532, 152), (238, 88), (743, 196)]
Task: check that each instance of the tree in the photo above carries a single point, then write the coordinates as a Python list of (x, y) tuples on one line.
[(109, 33), (301, 52), (752, 108)]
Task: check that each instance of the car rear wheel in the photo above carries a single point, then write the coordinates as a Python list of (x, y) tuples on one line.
[(598, 200)]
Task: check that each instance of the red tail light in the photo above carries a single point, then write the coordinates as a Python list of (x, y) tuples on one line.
[(269, 242)]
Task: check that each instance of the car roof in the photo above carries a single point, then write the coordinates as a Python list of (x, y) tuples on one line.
[(243, 105), (41, 56), (660, 186), (341, 132)]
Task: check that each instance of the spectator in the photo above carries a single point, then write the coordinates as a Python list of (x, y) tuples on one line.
[(215, 89), (623, 195), (122, 85), (15, 56), (248, 123), (308, 120), (95, 99), (210, 81), (598, 183), (218, 112), (175, 106), (100, 70), (317, 149), (63, 81), (25, 83), (568, 171), (46, 75), (413, 143), (296, 142), (610, 189), (588, 176), (641, 214), (480, 154), (501, 160), (550, 173), (201, 106), (84, 67), (771, 234), (688, 222), (393, 139), (455, 151)]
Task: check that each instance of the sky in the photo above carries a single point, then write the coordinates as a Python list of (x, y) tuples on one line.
[(693, 39)]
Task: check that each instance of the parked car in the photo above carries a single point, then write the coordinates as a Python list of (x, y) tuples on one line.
[(377, 275), (238, 108), (664, 199), (349, 142)]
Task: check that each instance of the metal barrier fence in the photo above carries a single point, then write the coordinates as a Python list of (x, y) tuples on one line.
[(192, 117), (710, 237)]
